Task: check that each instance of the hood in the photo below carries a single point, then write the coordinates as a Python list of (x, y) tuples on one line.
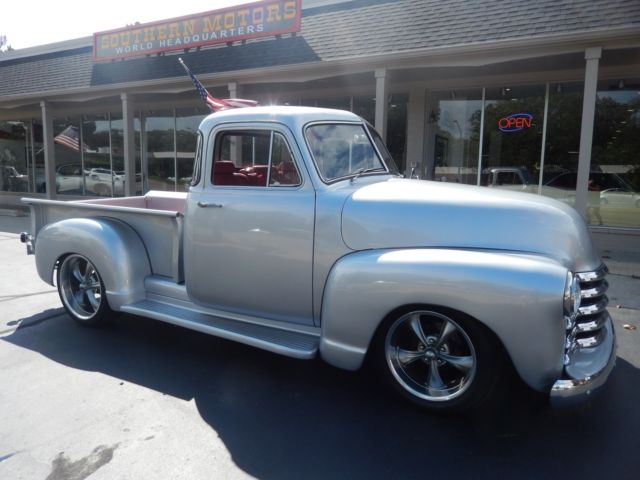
[(401, 213)]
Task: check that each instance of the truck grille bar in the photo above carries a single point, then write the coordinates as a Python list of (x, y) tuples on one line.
[(587, 329)]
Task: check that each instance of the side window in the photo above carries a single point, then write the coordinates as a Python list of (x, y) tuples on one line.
[(255, 158)]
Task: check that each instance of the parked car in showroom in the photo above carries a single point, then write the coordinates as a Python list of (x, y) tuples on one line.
[(622, 197), (104, 182), (13, 181)]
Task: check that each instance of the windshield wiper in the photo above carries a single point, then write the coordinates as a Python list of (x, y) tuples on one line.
[(366, 170)]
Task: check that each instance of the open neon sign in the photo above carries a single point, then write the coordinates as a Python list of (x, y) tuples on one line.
[(515, 122)]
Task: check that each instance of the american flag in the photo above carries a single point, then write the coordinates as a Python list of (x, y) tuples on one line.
[(70, 137), (216, 104)]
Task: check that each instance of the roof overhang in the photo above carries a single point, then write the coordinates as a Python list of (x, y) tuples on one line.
[(463, 55)]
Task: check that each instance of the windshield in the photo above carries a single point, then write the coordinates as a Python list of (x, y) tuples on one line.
[(342, 150)]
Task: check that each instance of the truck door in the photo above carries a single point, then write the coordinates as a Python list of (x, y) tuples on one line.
[(249, 231)]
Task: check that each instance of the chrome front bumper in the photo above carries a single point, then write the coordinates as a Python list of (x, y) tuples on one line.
[(588, 370), (590, 343)]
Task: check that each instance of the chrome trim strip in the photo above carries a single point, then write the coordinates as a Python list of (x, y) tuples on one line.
[(592, 325), (596, 291), (594, 309), (590, 318), (589, 342), (594, 276)]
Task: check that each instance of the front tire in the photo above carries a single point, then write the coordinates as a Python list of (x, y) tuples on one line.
[(438, 360), (82, 291)]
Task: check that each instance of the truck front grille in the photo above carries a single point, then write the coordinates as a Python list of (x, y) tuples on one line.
[(586, 331)]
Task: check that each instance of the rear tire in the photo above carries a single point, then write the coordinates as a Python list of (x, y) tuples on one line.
[(82, 291), (439, 360)]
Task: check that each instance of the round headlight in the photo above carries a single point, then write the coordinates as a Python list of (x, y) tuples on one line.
[(571, 295)]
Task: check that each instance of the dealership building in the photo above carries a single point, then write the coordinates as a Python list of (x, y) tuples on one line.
[(540, 96)]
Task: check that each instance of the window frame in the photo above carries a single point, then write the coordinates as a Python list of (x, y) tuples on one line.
[(197, 163)]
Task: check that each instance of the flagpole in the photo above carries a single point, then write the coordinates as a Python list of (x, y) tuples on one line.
[(215, 104)]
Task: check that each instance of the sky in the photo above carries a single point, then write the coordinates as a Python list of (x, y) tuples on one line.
[(39, 22)]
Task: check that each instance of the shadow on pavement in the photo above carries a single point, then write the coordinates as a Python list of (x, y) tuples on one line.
[(10, 224), (285, 418)]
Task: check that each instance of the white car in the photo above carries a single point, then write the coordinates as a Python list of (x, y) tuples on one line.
[(620, 197), (103, 182)]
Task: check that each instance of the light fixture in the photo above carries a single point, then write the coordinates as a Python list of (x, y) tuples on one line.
[(505, 91)]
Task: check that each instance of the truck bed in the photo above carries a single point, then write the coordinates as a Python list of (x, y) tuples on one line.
[(157, 217), (154, 200)]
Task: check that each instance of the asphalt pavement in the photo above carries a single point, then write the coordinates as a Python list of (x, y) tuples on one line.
[(146, 400)]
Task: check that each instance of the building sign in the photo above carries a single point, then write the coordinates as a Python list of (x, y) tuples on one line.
[(515, 122), (252, 20)]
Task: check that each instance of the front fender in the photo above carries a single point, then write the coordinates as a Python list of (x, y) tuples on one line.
[(517, 296), (112, 246)]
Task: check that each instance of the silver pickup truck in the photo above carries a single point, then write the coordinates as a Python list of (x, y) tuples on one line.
[(299, 236)]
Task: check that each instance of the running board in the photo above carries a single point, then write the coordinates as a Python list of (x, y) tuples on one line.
[(276, 340)]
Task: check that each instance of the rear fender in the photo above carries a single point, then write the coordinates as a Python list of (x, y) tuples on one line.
[(112, 246), (517, 296)]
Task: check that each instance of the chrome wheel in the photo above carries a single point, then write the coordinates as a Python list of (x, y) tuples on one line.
[(430, 356), (80, 287)]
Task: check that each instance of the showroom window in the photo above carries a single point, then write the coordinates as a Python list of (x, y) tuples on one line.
[(494, 137), (68, 157), (16, 170), (513, 123), (365, 107), (101, 177), (454, 118), (170, 145), (615, 201)]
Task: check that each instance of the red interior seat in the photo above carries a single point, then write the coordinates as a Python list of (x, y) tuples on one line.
[(225, 173)]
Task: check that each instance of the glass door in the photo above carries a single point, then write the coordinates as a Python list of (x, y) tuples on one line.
[(453, 135), (512, 140)]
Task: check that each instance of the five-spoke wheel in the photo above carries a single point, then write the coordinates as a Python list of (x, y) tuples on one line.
[(82, 291), (438, 360)]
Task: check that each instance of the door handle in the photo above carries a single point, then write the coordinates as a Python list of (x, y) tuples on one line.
[(209, 205)]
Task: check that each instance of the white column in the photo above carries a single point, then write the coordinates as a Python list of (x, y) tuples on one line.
[(129, 145), (49, 149), (415, 130), (234, 90), (592, 57), (382, 90)]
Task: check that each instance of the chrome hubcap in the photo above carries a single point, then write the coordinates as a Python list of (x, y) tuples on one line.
[(80, 286), (430, 355)]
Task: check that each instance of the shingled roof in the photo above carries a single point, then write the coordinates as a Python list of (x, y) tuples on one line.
[(334, 32)]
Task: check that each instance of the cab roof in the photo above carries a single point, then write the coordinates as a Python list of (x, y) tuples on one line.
[(294, 117)]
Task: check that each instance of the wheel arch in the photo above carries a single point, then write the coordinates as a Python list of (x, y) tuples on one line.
[(513, 296), (114, 248)]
